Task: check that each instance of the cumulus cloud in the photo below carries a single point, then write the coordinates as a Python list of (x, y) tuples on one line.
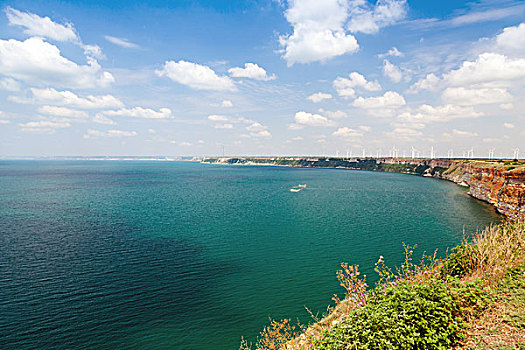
[(347, 132), (368, 18), (471, 97), (318, 97), (426, 113), (333, 114), (37, 62), (512, 38), (125, 43), (310, 119), (99, 118), (139, 112), (391, 71), (508, 125), (218, 118), (110, 133), (394, 52), (41, 26), (62, 112), (346, 87), (44, 126), (489, 68), (430, 82), (318, 31), (251, 71), (390, 99), (51, 96), (44, 27), (196, 76)]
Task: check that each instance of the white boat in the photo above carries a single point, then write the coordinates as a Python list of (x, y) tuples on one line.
[(295, 189), (302, 186)]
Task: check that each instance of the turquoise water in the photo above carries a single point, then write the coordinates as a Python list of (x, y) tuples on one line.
[(153, 255)]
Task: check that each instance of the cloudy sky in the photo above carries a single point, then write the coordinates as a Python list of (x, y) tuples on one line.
[(261, 77)]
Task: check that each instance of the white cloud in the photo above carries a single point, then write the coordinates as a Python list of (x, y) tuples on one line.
[(62, 112), (226, 103), (218, 118), (139, 112), (492, 68), (318, 31), (427, 113), (394, 52), (391, 71), (37, 62), (508, 125), (265, 134), (185, 144), (487, 15), (41, 26), (44, 27), (390, 99), (297, 138), (70, 99), (255, 126), (295, 126), (304, 118), (512, 38), (429, 82), (471, 97), (125, 43), (99, 118), (333, 114), (318, 97), (347, 132), (365, 128), (44, 124), (9, 84), (368, 19), (110, 133), (5, 121), (463, 133), (346, 87), (252, 71), (506, 106), (196, 76)]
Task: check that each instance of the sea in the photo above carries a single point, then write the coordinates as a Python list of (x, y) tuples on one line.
[(190, 256)]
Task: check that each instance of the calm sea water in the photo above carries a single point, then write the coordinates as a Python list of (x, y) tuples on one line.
[(151, 255)]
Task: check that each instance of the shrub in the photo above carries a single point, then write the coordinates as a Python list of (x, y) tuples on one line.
[(459, 263)]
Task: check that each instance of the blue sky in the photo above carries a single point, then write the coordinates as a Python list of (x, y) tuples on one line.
[(295, 77)]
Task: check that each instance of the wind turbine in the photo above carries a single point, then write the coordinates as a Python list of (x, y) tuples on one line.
[(413, 152), (516, 153), (491, 153), (470, 153), (450, 153), (364, 155), (432, 154)]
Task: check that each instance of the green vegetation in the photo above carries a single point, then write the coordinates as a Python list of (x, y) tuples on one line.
[(473, 299)]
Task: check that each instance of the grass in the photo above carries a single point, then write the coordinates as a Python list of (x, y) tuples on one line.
[(473, 299)]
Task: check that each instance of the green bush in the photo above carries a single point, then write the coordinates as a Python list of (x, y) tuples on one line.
[(459, 263), (405, 316)]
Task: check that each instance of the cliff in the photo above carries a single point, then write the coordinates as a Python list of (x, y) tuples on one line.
[(500, 183)]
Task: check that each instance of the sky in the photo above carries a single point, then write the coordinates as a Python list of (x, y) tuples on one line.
[(288, 77)]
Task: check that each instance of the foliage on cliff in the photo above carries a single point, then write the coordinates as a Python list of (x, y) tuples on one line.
[(434, 304)]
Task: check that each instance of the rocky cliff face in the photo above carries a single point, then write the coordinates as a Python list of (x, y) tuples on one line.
[(500, 186)]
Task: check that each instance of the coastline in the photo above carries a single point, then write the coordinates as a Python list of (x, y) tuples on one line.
[(500, 183)]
